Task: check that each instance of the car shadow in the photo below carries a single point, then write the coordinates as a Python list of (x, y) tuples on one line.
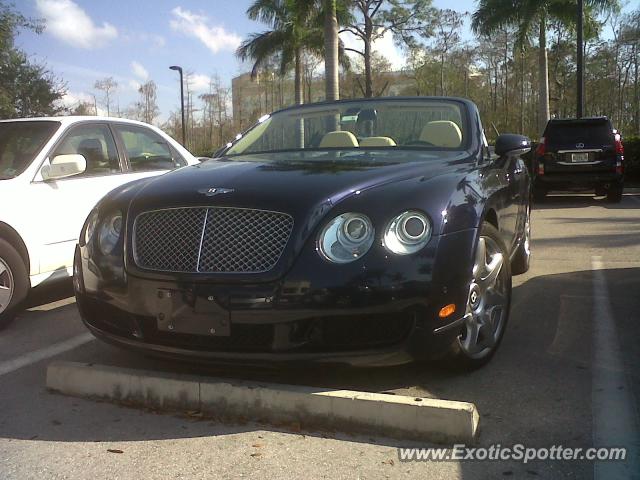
[(49, 293)]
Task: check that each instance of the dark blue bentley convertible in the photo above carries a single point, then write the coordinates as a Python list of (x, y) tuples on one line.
[(373, 232)]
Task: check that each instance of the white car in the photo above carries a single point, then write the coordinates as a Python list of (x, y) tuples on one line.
[(52, 173)]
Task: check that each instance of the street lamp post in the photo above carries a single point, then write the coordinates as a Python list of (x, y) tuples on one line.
[(580, 61), (179, 70)]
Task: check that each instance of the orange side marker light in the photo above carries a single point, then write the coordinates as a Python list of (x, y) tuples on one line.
[(447, 310)]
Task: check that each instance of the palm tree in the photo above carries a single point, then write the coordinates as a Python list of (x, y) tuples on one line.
[(526, 15), (291, 33), (331, 49)]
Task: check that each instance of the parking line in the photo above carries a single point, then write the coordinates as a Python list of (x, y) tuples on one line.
[(48, 352), (614, 422)]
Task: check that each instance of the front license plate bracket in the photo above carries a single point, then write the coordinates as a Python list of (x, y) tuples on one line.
[(176, 313)]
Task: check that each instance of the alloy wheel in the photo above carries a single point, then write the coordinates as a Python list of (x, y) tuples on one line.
[(6, 285), (487, 303)]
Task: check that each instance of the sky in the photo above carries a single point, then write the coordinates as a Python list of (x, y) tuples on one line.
[(137, 40)]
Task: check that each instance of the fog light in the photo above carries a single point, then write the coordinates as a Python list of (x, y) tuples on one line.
[(447, 310)]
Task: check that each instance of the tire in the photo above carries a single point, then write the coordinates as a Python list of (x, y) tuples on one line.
[(522, 257), (14, 279), (614, 194), (463, 356)]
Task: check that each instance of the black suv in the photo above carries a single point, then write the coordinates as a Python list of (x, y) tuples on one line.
[(582, 154)]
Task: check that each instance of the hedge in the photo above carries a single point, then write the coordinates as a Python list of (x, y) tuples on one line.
[(632, 158)]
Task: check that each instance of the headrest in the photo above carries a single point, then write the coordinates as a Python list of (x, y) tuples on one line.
[(377, 142), (90, 144), (339, 140), (442, 133)]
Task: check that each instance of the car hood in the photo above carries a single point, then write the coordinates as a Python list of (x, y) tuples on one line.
[(294, 187)]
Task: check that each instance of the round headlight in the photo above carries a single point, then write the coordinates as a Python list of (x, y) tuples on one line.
[(110, 231), (346, 238), (92, 221), (407, 233)]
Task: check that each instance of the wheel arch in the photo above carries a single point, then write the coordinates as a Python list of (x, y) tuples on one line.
[(9, 234), (490, 215)]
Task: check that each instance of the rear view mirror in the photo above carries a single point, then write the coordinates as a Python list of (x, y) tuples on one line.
[(63, 166), (511, 144)]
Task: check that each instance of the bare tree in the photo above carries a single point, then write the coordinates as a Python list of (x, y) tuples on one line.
[(447, 26), (108, 87), (147, 106)]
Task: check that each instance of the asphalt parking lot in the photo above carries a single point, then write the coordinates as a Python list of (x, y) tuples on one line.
[(567, 373)]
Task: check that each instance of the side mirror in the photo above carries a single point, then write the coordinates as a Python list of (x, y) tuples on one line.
[(63, 166), (511, 144)]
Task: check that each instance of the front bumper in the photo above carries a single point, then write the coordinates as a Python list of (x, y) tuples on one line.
[(381, 312)]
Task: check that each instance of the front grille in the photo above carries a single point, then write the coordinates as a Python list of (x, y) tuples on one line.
[(210, 239)]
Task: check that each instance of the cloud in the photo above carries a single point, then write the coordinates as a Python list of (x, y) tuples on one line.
[(199, 82), (68, 22), (134, 85), (215, 38), (139, 71), (384, 46)]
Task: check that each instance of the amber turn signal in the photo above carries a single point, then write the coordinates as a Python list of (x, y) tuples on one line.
[(447, 310)]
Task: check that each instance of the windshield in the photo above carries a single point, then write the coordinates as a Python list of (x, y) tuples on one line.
[(386, 124), (20, 142)]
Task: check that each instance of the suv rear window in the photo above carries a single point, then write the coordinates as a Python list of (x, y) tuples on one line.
[(595, 132)]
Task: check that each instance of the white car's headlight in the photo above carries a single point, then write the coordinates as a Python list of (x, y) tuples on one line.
[(92, 222), (407, 233), (346, 238), (109, 233)]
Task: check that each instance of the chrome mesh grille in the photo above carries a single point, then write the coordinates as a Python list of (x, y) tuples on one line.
[(210, 240)]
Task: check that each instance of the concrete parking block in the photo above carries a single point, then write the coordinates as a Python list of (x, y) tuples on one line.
[(394, 416)]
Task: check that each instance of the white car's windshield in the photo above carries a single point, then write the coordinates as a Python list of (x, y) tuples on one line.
[(425, 124), (20, 142)]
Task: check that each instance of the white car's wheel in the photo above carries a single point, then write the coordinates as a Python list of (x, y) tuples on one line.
[(14, 283)]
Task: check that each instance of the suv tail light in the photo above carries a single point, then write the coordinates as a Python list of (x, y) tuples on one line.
[(619, 146), (542, 147)]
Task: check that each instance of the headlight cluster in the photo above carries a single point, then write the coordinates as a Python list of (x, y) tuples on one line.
[(346, 238), (108, 230), (407, 233), (350, 235)]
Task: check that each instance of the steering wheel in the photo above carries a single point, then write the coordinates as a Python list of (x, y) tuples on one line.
[(419, 142)]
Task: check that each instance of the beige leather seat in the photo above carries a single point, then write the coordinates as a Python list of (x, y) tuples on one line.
[(442, 133), (339, 139), (377, 142)]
